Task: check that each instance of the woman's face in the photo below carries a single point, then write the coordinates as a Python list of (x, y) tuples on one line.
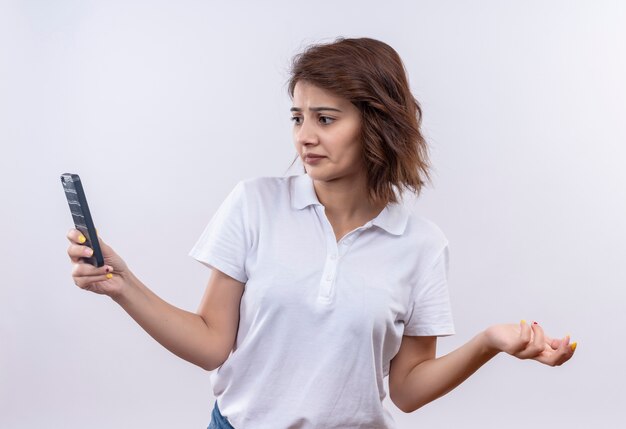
[(326, 131)]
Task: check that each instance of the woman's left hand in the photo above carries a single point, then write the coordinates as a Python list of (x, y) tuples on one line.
[(526, 341)]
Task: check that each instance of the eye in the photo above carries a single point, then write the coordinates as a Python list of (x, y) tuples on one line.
[(297, 120), (326, 120)]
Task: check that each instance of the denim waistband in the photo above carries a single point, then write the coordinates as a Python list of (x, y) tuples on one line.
[(218, 421)]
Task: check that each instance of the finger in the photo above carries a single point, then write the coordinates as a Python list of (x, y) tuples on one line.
[(88, 281), (566, 351), (88, 270), (525, 333), (539, 342), (75, 236), (554, 343), (565, 355), (536, 345), (78, 251), (561, 355), (568, 347), (524, 337), (572, 348)]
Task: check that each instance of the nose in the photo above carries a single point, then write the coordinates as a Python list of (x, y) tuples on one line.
[(306, 134)]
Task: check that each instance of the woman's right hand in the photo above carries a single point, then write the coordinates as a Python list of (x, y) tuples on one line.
[(110, 279)]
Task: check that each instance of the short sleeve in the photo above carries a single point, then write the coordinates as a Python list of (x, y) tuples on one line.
[(224, 244), (431, 312)]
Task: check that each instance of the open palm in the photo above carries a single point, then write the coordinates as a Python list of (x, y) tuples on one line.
[(526, 341)]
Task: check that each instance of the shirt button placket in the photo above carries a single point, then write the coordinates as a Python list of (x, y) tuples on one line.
[(334, 251), (329, 275)]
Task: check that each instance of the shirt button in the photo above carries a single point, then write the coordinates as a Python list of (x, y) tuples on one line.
[(329, 278), (333, 257)]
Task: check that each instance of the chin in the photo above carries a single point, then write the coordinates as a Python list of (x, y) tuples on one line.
[(320, 176)]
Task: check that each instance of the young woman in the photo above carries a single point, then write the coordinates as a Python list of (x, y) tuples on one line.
[(325, 283)]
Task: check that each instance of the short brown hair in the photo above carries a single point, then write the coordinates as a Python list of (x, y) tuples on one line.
[(371, 75)]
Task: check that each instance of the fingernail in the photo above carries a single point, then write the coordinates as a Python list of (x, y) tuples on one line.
[(109, 276), (523, 321), (88, 251), (535, 323), (573, 345), (82, 239), (108, 269)]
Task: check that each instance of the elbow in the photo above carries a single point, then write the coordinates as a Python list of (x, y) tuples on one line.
[(210, 364), (407, 409), (403, 404), (213, 358), (205, 361), (394, 398), (207, 366)]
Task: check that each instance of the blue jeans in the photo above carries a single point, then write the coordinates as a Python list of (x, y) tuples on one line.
[(218, 421)]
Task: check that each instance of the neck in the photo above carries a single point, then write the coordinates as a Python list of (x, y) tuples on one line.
[(347, 199)]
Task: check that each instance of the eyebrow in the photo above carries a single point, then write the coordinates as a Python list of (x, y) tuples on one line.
[(315, 109)]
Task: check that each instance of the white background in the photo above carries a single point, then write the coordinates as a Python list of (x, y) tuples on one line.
[(162, 107)]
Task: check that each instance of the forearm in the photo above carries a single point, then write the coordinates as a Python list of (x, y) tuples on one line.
[(185, 334), (434, 378)]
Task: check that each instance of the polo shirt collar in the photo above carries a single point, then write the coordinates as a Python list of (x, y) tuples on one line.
[(303, 193), (393, 218)]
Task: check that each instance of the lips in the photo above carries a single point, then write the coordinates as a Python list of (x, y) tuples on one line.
[(312, 159)]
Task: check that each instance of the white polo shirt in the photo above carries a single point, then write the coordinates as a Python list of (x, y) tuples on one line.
[(320, 320)]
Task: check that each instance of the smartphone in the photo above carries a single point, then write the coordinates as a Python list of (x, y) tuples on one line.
[(82, 217)]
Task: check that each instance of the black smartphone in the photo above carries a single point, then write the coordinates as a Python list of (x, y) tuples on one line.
[(82, 217)]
